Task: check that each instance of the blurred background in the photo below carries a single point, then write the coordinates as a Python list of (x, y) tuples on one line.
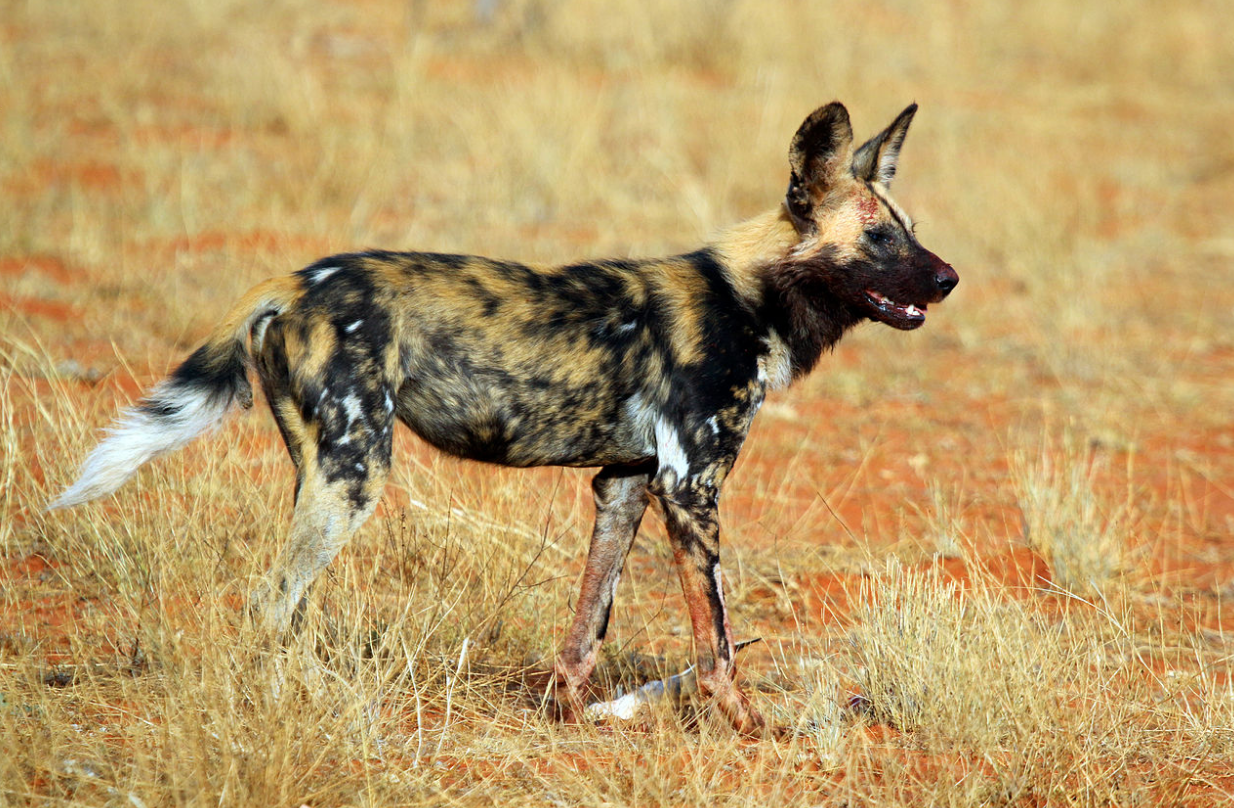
[(1062, 423)]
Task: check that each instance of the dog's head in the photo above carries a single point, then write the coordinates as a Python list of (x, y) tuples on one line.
[(854, 240)]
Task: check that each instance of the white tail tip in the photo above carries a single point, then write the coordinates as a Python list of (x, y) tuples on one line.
[(168, 420)]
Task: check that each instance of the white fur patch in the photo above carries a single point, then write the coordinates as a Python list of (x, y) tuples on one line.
[(259, 333), (353, 408), (669, 451), (775, 369), (139, 436), (320, 275)]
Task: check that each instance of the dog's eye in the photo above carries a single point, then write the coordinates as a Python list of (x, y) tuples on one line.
[(879, 237)]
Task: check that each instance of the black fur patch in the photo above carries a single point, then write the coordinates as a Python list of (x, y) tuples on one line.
[(221, 374)]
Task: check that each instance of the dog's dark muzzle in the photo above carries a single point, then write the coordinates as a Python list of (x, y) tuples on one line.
[(945, 278)]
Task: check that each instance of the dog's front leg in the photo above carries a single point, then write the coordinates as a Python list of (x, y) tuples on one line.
[(621, 499), (691, 514)]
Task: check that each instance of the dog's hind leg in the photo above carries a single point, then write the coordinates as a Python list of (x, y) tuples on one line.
[(342, 458), (621, 499)]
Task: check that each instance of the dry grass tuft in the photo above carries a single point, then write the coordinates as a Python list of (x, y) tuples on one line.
[(1065, 521), (958, 666), (1044, 709)]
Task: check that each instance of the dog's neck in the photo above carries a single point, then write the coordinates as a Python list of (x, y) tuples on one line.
[(787, 292), (748, 249)]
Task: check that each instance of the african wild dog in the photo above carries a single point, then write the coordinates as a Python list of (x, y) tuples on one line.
[(650, 369)]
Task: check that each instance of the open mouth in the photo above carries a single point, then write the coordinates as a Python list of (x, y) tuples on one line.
[(899, 315)]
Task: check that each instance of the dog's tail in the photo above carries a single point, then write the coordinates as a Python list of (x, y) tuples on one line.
[(195, 398)]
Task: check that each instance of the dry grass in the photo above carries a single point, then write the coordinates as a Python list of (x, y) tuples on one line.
[(1010, 532), (1083, 542), (1041, 710)]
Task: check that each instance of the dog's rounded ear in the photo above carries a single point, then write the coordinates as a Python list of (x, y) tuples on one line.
[(820, 151), (876, 160)]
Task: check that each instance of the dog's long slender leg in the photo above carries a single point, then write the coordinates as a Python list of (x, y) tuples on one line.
[(694, 531), (327, 514), (343, 461), (621, 499)]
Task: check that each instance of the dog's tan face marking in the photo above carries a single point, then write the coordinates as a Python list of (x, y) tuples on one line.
[(839, 226)]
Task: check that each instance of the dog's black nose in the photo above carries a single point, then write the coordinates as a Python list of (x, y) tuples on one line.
[(946, 279)]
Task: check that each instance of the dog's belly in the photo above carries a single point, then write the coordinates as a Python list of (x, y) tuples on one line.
[(498, 417)]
